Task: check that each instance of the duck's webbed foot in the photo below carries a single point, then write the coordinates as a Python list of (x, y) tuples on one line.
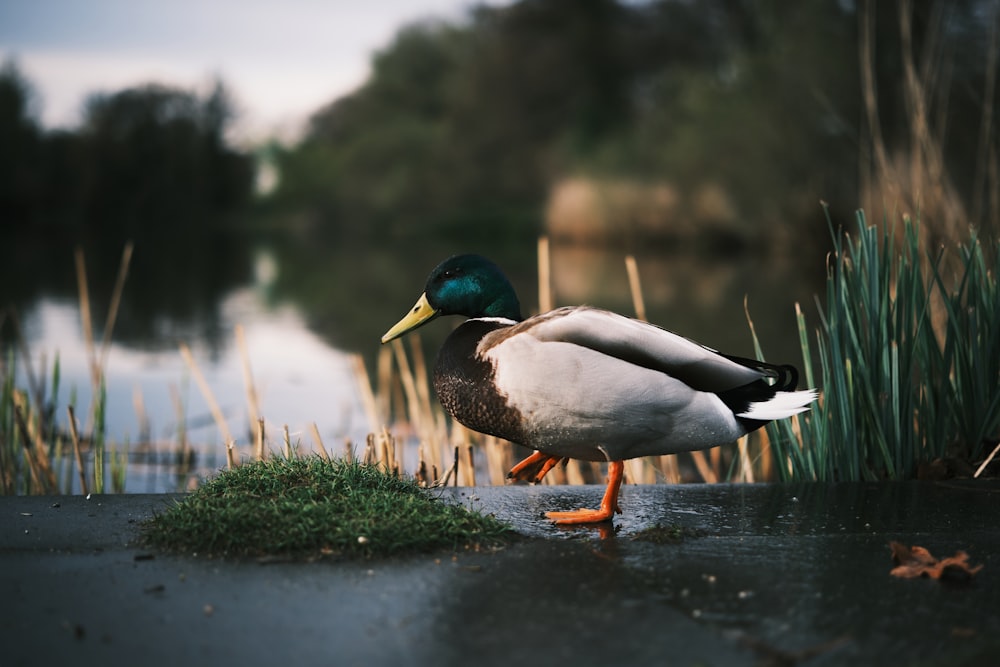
[(534, 467), (609, 504)]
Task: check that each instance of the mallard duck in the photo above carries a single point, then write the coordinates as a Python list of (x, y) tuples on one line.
[(584, 383)]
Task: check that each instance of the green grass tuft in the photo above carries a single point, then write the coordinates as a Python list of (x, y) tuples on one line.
[(307, 507)]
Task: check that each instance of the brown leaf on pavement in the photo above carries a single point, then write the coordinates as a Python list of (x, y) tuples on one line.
[(912, 562)]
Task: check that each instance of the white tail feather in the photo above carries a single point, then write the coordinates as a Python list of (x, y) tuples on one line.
[(783, 404)]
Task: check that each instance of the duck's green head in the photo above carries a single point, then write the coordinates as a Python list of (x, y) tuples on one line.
[(468, 285)]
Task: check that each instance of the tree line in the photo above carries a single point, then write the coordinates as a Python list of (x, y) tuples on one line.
[(145, 163), (466, 127), (463, 128)]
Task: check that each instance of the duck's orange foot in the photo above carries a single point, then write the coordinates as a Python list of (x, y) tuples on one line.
[(534, 467), (609, 504), (582, 516)]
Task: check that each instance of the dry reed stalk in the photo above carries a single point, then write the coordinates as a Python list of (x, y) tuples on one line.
[(139, 406), (369, 457), (36, 475), (982, 466), (38, 446), (288, 444), (635, 287), (384, 390), (442, 427), (253, 405), (420, 375), (455, 466), (319, 442), (459, 440), (715, 456), (231, 454), (421, 474), (368, 401), (558, 476), (470, 478), (206, 392), (409, 382), (75, 437), (348, 451), (670, 466), (640, 471), (765, 457), (574, 472), (116, 299), (544, 276), (704, 469), (260, 439), (85, 318), (746, 464), (185, 447), (36, 387), (497, 460)]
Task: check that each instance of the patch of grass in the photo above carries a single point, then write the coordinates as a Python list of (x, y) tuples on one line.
[(308, 507)]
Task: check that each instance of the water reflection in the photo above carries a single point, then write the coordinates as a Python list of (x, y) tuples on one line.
[(299, 380)]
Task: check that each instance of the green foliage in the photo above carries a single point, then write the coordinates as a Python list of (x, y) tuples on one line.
[(908, 361), (310, 506), (483, 117)]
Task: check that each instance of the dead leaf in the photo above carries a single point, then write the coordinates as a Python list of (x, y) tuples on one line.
[(912, 562)]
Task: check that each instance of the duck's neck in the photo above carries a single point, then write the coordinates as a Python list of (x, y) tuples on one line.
[(505, 306)]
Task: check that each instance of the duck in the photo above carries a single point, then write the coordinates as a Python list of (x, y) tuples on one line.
[(579, 382)]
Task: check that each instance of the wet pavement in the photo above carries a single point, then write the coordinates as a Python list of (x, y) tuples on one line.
[(749, 575)]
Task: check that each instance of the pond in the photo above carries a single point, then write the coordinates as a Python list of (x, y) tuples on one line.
[(309, 311)]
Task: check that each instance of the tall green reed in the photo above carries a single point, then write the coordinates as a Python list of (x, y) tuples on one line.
[(908, 357)]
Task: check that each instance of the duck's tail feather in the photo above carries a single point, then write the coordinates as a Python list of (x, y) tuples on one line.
[(783, 404), (785, 376)]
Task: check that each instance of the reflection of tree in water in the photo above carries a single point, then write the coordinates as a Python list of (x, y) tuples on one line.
[(148, 164)]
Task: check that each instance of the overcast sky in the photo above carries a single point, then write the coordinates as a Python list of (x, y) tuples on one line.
[(280, 60)]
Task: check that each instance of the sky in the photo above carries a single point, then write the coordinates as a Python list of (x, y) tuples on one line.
[(279, 60)]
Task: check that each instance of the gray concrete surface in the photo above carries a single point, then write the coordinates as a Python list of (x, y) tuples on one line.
[(766, 575)]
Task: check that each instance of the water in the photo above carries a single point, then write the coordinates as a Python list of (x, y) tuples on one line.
[(306, 308), (153, 400)]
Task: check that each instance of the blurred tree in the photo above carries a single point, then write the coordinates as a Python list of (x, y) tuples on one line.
[(20, 145), (156, 162), (761, 100)]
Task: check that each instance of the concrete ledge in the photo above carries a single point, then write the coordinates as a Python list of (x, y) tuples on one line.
[(765, 574)]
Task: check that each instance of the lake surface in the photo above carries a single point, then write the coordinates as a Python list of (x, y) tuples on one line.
[(306, 310)]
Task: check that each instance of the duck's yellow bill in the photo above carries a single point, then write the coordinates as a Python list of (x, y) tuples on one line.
[(421, 313)]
